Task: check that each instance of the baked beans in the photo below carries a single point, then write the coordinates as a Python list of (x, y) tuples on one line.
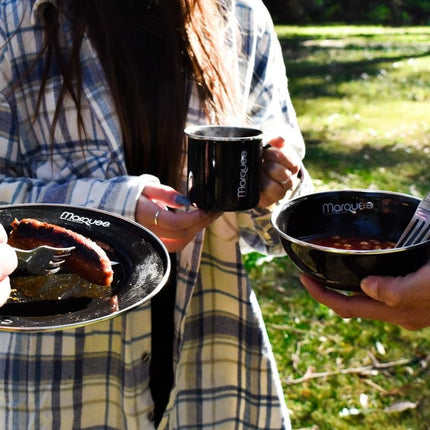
[(351, 243)]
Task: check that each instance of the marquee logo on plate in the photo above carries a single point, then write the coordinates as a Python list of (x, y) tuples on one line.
[(352, 207), (70, 216)]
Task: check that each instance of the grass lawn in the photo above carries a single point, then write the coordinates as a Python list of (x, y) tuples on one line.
[(362, 97)]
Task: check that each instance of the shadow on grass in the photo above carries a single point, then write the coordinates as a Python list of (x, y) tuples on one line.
[(332, 61), (365, 160)]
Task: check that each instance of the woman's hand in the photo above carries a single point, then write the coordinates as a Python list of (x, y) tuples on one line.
[(280, 167), (8, 263), (175, 228), (403, 300)]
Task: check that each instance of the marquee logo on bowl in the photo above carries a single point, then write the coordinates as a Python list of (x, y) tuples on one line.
[(70, 216), (352, 207), (242, 190)]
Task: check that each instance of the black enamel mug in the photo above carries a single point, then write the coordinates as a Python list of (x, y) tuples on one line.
[(224, 167)]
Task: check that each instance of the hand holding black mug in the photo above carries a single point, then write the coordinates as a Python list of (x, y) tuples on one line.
[(225, 168)]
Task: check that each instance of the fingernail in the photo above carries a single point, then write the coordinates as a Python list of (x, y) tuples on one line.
[(369, 285), (182, 200)]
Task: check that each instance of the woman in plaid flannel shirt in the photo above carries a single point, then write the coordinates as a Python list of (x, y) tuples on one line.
[(94, 97)]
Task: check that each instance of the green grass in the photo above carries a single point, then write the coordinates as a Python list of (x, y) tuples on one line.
[(362, 97)]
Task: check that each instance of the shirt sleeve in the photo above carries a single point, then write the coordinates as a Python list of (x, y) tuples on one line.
[(66, 176), (270, 108), (269, 104), (118, 194)]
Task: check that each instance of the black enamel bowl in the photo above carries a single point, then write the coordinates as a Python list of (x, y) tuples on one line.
[(381, 215)]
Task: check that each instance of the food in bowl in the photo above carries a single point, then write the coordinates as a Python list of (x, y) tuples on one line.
[(354, 215), (354, 243)]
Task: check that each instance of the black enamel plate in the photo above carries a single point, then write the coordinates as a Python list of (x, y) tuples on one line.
[(141, 268)]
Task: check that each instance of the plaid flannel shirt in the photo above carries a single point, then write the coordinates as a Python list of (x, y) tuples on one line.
[(96, 376)]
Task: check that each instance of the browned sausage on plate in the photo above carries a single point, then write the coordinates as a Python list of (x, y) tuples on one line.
[(88, 259)]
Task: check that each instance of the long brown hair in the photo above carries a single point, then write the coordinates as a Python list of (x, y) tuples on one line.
[(151, 51)]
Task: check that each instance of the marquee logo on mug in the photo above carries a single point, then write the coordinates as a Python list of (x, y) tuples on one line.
[(224, 167), (242, 190)]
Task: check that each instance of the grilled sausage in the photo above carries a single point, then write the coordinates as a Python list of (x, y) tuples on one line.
[(88, 259)]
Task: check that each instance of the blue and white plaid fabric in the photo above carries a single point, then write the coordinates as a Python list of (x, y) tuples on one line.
[(96, 377)]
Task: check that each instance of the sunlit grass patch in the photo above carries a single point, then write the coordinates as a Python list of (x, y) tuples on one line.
[(362, 88)]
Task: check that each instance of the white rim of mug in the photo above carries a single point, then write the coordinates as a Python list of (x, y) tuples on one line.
[(192, 132)]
